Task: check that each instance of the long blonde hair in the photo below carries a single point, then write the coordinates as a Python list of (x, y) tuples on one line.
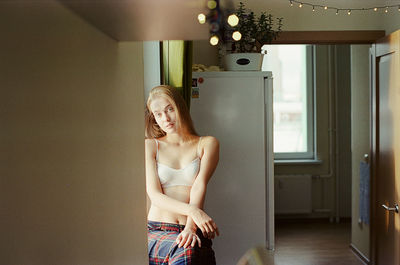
[(184, 121)]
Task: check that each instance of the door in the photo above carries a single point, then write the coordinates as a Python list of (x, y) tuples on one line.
[(386, 152)]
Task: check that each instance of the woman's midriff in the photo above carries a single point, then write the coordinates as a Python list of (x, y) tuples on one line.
[(180, 193)]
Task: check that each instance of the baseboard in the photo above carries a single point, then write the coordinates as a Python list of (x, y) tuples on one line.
[(306, 219), (360, 255)]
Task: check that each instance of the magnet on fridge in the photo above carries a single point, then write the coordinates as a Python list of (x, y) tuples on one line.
[(194, 82), (195, 92)]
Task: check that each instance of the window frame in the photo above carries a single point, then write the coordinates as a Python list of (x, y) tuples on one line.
[(310, 154)]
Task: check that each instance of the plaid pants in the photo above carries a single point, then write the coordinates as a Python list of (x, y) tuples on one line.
[(163, 249)]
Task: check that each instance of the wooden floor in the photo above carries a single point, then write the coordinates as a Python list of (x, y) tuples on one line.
[(312, 243)]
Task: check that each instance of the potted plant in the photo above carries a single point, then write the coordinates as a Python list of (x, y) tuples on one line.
[(245, 54)]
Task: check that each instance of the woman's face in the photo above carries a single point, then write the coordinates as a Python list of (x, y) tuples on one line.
[(164, 114)]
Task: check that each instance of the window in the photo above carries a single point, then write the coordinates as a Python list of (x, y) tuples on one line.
[(292, 69)]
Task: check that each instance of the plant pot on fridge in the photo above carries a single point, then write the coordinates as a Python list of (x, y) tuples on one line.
[(243, 61), (249, 35)]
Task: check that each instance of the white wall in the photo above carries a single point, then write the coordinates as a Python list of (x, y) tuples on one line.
[(72, 185), (360, 138)]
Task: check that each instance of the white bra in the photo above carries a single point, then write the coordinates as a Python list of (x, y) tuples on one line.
[(178, 177)]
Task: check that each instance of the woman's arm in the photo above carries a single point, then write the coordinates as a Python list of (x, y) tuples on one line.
[(209, 162), (208, 165), (153, 186)]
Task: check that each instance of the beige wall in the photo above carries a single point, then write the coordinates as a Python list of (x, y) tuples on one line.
[(360, 139), (343, 128), (391, 23), (204, 53), (296, 18), (72, 187)]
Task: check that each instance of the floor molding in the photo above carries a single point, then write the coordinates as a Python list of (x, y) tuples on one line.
[(360, 255)]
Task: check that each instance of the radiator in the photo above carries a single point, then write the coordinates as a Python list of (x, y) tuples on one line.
[(292, 194)]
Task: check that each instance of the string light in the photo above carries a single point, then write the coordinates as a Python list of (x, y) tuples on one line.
[(202, 18), (349, 10), (233, 20), (214, 40), (236, 35), (211, 4)]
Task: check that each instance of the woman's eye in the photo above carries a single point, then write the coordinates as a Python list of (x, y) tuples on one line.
[(170, 109)]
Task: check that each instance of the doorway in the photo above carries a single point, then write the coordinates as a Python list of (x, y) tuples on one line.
[(323, 192)]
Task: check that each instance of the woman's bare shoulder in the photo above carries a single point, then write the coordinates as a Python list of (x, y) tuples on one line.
[(209, 141), (150, 145)]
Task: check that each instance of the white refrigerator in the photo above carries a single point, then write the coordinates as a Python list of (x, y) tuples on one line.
[(236, 108)]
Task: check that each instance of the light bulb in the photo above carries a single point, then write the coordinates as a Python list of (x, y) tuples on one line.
[(386, 10), (349, 12), (211, 4), (375, 9), (399, 9), (337, 11), (313, 9), (236, 35), (214, 40), (291, 3), (325, 7), (233, 20), (201, 18), (301, 5)]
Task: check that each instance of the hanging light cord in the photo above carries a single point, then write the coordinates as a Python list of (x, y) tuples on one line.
[(376, 8)]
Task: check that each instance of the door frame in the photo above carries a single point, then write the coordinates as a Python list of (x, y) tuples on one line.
[(376, 52), (350, 37), (374, 119)]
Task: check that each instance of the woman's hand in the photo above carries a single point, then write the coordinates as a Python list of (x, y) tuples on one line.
[(187, 238), (204, 222)]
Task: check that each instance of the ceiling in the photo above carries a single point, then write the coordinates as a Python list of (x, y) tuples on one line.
[(130, 20)]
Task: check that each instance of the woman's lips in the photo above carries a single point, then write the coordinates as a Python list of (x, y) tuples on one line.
[(170, 125)]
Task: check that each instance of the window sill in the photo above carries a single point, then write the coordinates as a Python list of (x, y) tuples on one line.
[(282, 162)]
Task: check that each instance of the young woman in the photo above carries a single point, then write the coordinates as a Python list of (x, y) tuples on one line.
[(179, 165)]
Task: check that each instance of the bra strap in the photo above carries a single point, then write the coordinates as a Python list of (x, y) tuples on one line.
[(157, 149), (198, 145)]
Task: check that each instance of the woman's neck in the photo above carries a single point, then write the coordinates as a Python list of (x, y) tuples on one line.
[(178, 138)]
